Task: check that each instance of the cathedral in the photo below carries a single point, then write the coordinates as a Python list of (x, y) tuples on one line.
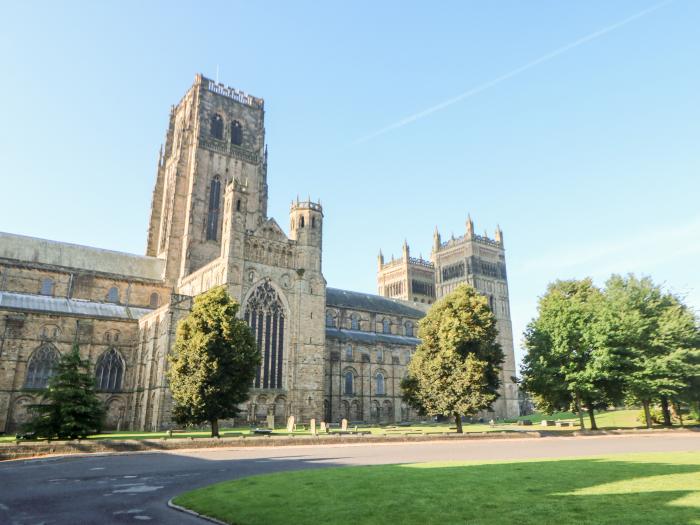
[(327, 353)]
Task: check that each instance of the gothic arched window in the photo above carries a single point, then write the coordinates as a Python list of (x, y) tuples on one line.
[(265, 315), (213, 213), (379, 384), (354, 322), (47, 286), (154, 301), (109, 371), (408, 325), (113, 295), (349, 380), (330, 321), (217, 126), (236, 133), (42, 365)]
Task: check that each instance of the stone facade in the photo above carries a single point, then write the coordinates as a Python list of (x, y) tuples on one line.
[(473, 259), (327, 354)]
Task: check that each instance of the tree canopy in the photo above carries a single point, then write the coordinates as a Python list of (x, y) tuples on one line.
[(591, 348), (456, 369), (70, 407), (214, 361)]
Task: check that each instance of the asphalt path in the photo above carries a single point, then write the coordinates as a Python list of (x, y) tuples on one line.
[(135, 487)]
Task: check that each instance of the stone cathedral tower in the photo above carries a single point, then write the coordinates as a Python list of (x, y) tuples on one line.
[(209, 224), (473, 259)]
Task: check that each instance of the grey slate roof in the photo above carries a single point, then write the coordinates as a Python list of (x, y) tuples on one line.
[(371, 303), (43, 251), (63, 305), (369, 338)]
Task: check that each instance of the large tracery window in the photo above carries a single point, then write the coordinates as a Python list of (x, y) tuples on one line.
[(109, 371), (265, 315), (213, 213), (42, 365)]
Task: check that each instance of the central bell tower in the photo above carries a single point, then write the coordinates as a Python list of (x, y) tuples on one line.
[(216, 135)]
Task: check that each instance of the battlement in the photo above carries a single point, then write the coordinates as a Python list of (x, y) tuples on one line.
[(306, 205), (419, 261), (231, 92), (481, 239)]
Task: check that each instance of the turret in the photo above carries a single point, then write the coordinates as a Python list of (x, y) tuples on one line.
[(470, 227), (306, 228), (436, 240), (380, 259), (405, 251), (499, 235)]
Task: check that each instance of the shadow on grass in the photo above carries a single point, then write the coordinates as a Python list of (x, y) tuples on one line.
[(534, 492)]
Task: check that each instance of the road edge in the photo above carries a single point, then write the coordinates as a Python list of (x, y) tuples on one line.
[(194, 513)]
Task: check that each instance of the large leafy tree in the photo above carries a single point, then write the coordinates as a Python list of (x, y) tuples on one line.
[(456, 368), (70, 407), (213, 363), (566, 366), (658, 334)]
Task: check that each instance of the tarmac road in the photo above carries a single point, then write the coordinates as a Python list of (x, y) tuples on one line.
[(135, 487)]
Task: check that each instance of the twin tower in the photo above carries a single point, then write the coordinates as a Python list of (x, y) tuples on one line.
[(474, 259)]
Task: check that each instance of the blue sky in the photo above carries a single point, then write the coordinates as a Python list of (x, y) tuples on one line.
[(588, 159)]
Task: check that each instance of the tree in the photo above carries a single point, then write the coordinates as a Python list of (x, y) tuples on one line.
[(660, 336), (455, 371), (565, 366), (70, 407), (213, 363)]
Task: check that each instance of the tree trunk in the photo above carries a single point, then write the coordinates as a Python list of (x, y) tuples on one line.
[(214, 428), (580, 412), (679, 414), (666, 411), (647, 413), (458, 422), (592, 418)]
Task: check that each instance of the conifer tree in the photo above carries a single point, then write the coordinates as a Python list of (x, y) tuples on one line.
[(70, 407)]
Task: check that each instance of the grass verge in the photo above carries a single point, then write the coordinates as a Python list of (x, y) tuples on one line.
[(641, 489)]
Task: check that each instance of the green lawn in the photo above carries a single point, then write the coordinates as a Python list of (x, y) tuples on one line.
[(611, 419), (640, 489)]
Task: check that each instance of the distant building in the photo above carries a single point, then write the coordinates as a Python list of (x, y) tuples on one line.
[(327, 353)]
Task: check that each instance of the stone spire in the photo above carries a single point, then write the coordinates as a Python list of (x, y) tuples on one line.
[(499, 235), (406, 251), (470, 226), (436, 240)]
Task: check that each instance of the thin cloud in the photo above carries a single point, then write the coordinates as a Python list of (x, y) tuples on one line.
[(643, 250), (507, 76)]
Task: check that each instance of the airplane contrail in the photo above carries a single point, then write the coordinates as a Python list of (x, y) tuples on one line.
[(486, 85)]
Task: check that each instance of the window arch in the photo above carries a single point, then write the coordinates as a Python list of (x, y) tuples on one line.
[(379, 384), (386, 326), (301, 222), (349, 383), (109, 371), (354, 322), (113, 295), (217, 126), (330, 320), (313, 222), (154, 300), (265, 314), (213, 212), (236, 133), (47, 286), (408, 327), (41, 367)]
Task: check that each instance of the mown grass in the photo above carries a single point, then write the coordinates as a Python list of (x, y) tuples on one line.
[(611, 419), (640, 489)]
